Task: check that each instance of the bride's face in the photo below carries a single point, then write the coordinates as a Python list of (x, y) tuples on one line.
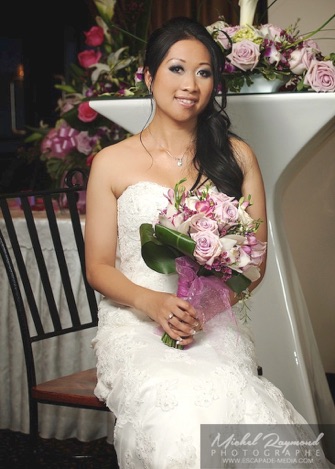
[(184, 81)]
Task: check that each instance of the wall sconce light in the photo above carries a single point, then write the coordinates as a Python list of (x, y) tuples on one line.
[(17, 100)]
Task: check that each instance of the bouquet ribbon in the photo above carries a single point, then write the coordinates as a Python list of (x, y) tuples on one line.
[(208, 295)]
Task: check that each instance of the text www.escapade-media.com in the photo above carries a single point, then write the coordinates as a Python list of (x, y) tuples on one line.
[(278, 446)]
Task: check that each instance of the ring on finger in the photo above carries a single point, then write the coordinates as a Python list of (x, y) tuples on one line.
[(170, 316)]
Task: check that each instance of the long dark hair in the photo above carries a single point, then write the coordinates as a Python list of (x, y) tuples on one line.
[(214, 157)]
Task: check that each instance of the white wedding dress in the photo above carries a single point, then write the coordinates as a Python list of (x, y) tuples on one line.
[(161, 395)]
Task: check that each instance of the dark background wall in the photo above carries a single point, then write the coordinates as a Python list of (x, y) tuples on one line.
[(43, 37)]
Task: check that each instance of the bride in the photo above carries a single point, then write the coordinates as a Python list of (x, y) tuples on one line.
[(163, 397)]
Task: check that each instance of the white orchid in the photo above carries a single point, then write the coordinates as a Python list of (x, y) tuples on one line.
[(247, 11), (113, 65), (105, 8), (104, 26)]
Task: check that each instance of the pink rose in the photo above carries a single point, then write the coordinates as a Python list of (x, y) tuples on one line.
[(300, 60), (321, 76), (225, 210), (207, 247), (311, 44), (269, 31), (199, 222), (224, 35), (244, 55), (85, 143), (87, 58), (86, 113), (95, 36)]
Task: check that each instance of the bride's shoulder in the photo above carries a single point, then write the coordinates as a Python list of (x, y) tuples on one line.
[(243, 152), (120, 158), (120, 151), (120, 164)]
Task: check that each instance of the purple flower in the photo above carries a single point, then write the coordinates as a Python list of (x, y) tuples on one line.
[(207, 247), (244, 55), (321, 76)]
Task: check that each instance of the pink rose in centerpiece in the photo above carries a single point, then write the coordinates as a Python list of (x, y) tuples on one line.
[(87, 58), (94, 37), (312, 44), (85, 143), (269, 31), (86, 113), (300, 60), (224, 35), (244, 55), (321, 76)]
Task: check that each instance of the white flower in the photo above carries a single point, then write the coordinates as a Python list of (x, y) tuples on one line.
[(105, 8), (247, 11)]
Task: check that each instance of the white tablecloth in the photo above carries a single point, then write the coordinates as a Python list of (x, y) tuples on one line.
[(65, 355)]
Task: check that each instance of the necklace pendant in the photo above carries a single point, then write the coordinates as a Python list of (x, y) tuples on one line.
[(180, 162)]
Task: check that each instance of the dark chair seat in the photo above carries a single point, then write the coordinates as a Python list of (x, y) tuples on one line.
[(75, 389)]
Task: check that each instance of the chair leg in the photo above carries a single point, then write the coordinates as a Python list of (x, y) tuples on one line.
[(33, 423)]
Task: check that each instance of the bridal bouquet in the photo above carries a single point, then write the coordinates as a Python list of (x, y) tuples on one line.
[(209, 239)]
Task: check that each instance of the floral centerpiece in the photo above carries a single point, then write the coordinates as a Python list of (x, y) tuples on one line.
[(274, 53), (209, 239), (111, 66), (108, 65)]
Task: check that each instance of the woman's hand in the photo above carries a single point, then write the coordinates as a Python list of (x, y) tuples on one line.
[(176, 316)]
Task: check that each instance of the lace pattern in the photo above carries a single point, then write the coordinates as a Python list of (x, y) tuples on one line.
[(160, 395)]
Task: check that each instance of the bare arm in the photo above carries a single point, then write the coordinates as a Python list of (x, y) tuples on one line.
[(100, 252), (253, 185)]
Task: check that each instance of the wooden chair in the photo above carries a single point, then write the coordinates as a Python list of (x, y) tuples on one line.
[(74, 390)]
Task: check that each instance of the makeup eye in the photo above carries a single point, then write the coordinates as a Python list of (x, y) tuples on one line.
[(205, 73), (176, 68)]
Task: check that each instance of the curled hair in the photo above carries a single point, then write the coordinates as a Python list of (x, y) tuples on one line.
[(214, 157)]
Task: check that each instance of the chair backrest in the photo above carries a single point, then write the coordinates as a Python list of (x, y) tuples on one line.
[(42, 247)]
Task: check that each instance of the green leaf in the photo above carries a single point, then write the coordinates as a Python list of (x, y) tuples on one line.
[(238, 283), (157, 256), (176, 240), (66, 88), (34, 137)]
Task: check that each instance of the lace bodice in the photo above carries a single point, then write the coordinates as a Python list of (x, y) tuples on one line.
[(140, 203)]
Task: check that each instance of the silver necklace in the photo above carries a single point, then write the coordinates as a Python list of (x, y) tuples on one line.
[(179, 159)]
